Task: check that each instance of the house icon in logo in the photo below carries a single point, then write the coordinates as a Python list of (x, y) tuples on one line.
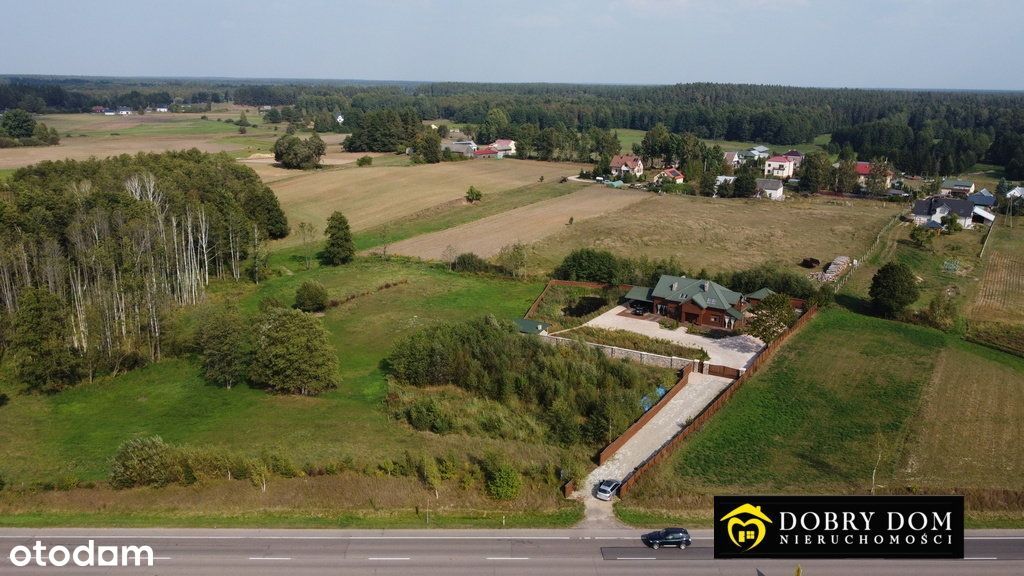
[(746, 526)]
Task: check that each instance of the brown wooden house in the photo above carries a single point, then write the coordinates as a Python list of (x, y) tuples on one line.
[(696, 301)]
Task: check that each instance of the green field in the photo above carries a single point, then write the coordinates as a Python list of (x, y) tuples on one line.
[(628, 137)]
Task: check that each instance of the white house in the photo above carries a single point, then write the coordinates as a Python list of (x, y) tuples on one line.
[(779, 167), (1017, 192), (464, 147), (759, 152), (505, 145), (769, 188), (929, 212), (623, 164)]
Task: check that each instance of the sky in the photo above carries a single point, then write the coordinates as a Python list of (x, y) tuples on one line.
[(951, 44)]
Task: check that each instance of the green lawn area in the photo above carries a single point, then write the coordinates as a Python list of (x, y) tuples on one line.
[(450, 214), (6, 173), (628, 137), (73, 434)]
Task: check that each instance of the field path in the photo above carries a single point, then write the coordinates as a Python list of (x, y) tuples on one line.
[(485, 237)]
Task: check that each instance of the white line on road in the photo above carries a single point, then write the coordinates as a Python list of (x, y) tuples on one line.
[(982, 558), (161, 557), (270, 558), (395, 558), (631, 558), (993, 537), (507, 558)]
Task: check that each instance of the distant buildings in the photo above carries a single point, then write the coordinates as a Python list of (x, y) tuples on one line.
[(930, 212), (779, 167), (463, 147), (769, 188), (954, 187), (670, 175), (623, 164)]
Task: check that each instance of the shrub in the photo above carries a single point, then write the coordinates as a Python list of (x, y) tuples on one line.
[(588, 264), (426, 414), (364, 161), (3, 399), (3, 482), (893, 288), (470, 262), (503, 482), (669, 323), (428, 472), (225, 347), (767, 276), (292, 354), (311, 296), (145, 462), (473, 195)]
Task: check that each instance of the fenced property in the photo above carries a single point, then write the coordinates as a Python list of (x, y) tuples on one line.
[(645, 358), (698, 422)]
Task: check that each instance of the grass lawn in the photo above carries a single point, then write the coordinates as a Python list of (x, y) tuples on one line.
[(725, 234), (628, 137), (73, 434)]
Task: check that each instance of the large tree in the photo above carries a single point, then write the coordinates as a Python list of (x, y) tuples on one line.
[(893, 288), (772, 317), (846, 176), (225, 346), (293, 354), (814, 172), (17, 124), (40, 343), (339, 248), (878, 177)]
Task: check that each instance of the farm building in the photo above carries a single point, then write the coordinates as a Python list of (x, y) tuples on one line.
[(464, 147), (488, 152), (983, 198), (696, 301), (623, 164), (930, 212), (670, 175), (769, 188), (779, 167), (959, 188)]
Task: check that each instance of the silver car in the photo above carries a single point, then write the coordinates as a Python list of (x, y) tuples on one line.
[(606, 489)]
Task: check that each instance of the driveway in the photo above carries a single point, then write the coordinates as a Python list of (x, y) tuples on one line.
[(734, 351), (686, 405)]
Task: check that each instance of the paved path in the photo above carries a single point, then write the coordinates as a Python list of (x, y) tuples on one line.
[(470, 552), (734, 351), (697, 394)]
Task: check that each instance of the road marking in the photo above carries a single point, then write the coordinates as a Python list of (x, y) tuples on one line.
[(632, 558), (161, 557), (982, 558), (993, 537), (269, 558), (395, 558), (508, 558)]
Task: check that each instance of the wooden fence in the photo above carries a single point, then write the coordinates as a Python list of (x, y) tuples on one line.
[(612, 448), (698, 422)]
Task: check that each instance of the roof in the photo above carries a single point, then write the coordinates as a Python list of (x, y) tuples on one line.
[(979, 211), (863, 168), (929, 206), (1017, 192), (630, 160), (671, 173), (703, 293), (504, 143), (731, 156), (954, 183), (794, 154), (782, 159), (527, 326), (760, 294), (982, 198), (761, 149), (488, 151), (641, 293), (769, 184)]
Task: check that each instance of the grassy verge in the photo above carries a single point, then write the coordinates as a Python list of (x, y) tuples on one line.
[(634, 341), (454, 213)]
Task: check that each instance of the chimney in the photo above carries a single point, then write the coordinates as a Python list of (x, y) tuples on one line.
[(704, 286), (675, 286)]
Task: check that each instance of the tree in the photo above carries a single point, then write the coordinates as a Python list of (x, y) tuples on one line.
[(17, 123), (878, 177), (428, 146), (1002, 187), (773, 316), (921, 237), (656, 143), (40, 343), (144, 462), (293, 354), (503, 481), (745, 184), (293, 152), (225, 346), (308, 234), (339, 248), (242, 120), (473, 195), (846, 177), (272, 116), (952, 223), (893, 288), (311, 296), (590, 265), (814, 172), (707, 183), (512, 258)]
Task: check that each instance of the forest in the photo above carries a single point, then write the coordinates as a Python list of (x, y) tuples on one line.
[(95, 255)]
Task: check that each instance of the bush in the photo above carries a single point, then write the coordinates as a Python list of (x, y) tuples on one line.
[(311, 296), (893, 288), (3, 483), (3, 399), (767, 276), (473, 195), (145, 462), (427, 414), (293, 354), (470, 262), (587, 264), (364, 161), (502, 480)]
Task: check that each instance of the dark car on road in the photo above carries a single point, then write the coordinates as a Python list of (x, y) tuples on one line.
[(677, 537)]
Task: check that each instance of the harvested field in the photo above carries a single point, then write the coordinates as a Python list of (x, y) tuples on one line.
[(374, 195), (1000, 297), (726, 234), (527, 224), (971, 428)]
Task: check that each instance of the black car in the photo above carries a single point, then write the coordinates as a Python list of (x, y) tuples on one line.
[(677, 537)]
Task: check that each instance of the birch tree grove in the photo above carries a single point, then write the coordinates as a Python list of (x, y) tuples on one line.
[(124, 252)]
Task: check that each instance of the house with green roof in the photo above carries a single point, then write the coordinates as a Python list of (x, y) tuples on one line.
[(696, 301)]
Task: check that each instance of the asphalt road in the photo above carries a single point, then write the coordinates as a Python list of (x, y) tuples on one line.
[(447, 552)]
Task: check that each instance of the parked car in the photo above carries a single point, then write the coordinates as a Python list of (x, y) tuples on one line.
[(606, 489), (677, 537)]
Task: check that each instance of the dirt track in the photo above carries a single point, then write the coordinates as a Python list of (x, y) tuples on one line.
[(487, 236)]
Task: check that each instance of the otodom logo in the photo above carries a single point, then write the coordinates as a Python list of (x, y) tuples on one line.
[(745, 526)]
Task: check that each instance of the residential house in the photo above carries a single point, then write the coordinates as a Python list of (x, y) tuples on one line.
[(760, 152), (162, 109), (623, 164), (796, 156), (779, 167), (506, 146), (124, 111), (464, 147), (983, 198), (958, 188), (733, 159), (863, 170), (769, 188), (722, 180), (488, 152), (930, 212), (670, 175), (1017, 192), (696, 301)]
